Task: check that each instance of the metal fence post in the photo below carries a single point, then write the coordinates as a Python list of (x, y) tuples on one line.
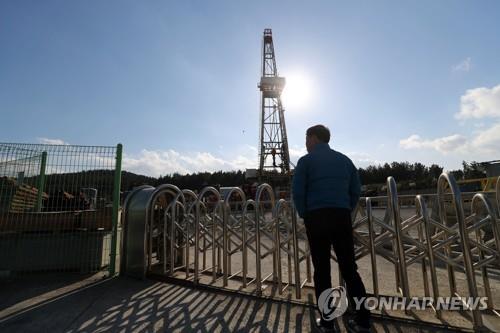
[(116, 207), (41, 183), (463, 232), (296, 262), (373, 253), (392, 196)]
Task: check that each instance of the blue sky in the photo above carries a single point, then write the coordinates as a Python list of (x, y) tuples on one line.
[(176, 82)]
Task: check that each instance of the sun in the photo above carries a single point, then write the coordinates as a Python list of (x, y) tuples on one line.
[(297, 91)]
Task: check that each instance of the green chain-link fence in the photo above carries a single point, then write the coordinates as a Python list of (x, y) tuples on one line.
[(58, 207)]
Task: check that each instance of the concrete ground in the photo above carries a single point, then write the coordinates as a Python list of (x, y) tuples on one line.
[(78, 303), (70, 303)]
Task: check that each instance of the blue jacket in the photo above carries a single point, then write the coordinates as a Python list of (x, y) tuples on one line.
[(325, 178)]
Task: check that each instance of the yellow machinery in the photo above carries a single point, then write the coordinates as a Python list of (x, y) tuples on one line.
[(477, 184)]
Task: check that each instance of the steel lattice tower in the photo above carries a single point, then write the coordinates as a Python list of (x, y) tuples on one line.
[(273, 150)]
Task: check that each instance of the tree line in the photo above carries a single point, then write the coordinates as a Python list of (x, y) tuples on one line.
[(421, 175), (417, 174)]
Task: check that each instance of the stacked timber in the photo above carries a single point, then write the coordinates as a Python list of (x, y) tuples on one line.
[(18, 198)]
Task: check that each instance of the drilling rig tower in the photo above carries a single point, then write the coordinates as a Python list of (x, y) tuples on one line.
[(274, 157)]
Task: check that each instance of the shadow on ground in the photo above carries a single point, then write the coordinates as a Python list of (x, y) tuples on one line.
[(26, 288), (128, 305)]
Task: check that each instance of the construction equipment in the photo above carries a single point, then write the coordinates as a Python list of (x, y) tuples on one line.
[(478, 184), (274, 157)]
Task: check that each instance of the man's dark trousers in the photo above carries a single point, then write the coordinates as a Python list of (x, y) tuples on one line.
[(327, 227)]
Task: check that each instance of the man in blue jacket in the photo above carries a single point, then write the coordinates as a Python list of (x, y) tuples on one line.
[(326, 188)]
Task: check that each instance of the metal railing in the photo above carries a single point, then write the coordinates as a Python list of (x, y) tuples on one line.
[(59, 208), (192, 236)]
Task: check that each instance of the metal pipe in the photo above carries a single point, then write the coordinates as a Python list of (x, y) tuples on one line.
[(422, 210), (41, 179), (373, 256), (225, 236), (280, 206), (225, 254), (289, 248), (157, 192), (135, 210), (447, 179), (447, 248), (218, 212), (394, 206), (172, 239), (423, 261), (248, 203), (481, 200), (214, 248), (188, 213), (258, 282), (198, 203), (296, 253), (196, 243), (172, 207), (116, 206), (498, 196), (172, 234), (259, 205)]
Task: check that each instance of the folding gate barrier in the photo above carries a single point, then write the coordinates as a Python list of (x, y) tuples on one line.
[(176, 232)]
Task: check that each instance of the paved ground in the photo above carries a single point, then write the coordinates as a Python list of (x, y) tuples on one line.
[(77, 303), (70, 304)]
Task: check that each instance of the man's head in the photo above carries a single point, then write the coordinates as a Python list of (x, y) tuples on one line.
[(316, 134)]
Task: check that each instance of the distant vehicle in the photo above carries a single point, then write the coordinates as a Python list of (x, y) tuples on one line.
[(478, 184)]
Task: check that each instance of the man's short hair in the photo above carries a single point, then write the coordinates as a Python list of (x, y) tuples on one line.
[(320, 131)]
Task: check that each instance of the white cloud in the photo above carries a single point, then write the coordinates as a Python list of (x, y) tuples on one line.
[(480, 103), (296, 152), (476, 103), (482, 144), (488, 140), (445, 144), (464, 66), (359, 159), (250, 148), (244, 162), (51, 141), (362, 159), (155, 163)]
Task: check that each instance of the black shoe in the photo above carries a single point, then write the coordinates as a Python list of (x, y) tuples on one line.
[(325, 326), (353, 326)]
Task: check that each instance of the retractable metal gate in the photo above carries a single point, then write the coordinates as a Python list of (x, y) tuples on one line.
[(252, 244)]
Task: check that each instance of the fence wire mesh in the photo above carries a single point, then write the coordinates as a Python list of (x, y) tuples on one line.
[(56, 207)]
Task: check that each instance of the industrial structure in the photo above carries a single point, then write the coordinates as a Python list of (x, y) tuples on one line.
[(274, 157)]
